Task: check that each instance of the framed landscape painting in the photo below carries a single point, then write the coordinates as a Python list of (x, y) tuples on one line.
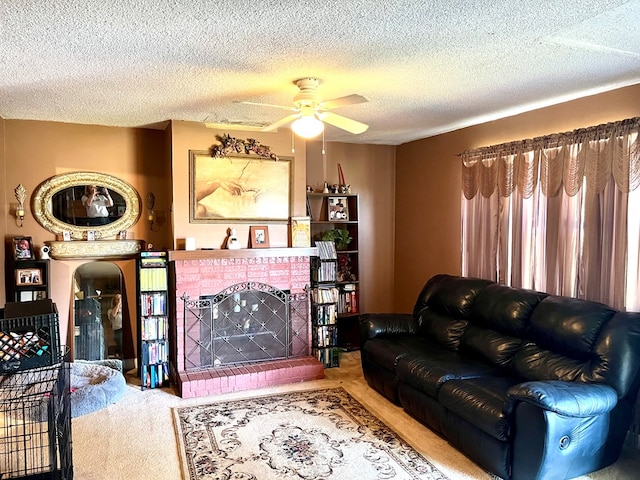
[(239, 188)]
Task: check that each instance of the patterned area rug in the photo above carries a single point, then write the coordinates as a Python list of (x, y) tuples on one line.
[(315, 435)]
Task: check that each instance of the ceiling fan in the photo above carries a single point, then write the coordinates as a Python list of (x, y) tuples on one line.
[(310, 112)]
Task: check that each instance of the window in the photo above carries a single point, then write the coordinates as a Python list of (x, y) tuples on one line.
[(559, 214)]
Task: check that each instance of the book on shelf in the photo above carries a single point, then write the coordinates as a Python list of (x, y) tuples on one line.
[(325, 295), (326, 336), (309, 209), (329, 357), (153, 304), (348, 302), (153, 279), (154, 352), (154, 328), (324, 272), (154, 375), (326, 250), (325, 314)]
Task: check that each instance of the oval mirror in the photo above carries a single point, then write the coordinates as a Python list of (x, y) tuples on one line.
[(61, 204)]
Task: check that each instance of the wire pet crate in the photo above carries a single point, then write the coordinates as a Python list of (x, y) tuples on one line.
[(29, 336), (35, 424)]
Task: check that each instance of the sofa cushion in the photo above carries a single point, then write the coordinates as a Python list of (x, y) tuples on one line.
[(505, 309), (388, 351), (444, 330), (535, 363), (450, 295), (429, 371), (480, 401), (495, 347), (568, 325)]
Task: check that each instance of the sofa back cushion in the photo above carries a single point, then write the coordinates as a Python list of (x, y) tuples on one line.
[(450, 295), (578, 340), (506, 309), (444, 330), (499, 320), (569, 325), (444, 306)]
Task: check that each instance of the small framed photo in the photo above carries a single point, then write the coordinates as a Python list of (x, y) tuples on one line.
[(26, 296), (91, 235), (28, 276), (39, 295), (122, 235), (66, 236), (22, 248), (259, 237), (338, 209)]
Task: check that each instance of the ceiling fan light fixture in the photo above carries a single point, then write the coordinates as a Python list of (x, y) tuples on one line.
[(307, 127)]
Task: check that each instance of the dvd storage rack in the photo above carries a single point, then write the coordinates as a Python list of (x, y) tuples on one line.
[(153, 319), (324, 305)]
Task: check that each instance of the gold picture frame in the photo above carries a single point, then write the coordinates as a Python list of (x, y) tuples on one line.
[(239, 188)]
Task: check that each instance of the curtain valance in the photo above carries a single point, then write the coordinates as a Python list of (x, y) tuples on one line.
[(564, 160)]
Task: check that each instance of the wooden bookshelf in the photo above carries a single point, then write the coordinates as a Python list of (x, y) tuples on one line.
[(329, 211)]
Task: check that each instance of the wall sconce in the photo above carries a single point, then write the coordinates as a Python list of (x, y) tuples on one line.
[(21, 195), (151, 215)]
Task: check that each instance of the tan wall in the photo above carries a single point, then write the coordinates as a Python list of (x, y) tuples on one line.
[(409, 195), (428, 182), (195, 136), (35, 151), (370, 170), (3, 207)]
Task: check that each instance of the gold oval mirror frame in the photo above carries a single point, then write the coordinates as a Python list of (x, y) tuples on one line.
[(42, 204)]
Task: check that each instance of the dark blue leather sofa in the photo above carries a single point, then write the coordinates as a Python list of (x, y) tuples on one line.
[(528, 385)]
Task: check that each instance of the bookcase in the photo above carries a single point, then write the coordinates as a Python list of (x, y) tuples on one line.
[(27, 280), (153, 319), (324, 305), (334, 217)]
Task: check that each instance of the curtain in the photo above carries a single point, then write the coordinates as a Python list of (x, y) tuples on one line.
[(558, 213)]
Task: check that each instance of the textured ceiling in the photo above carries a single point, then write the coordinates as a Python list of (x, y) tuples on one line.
[(426, 67)]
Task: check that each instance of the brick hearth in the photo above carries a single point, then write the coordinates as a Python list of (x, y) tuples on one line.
[(206, 272)]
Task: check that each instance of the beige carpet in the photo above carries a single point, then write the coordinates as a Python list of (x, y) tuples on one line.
[(135, 438)]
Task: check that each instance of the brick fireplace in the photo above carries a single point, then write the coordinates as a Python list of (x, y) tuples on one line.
[(204, 273)]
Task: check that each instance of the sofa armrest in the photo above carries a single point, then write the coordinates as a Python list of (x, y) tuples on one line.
[(560, 429), (570, 399), (373, 325)]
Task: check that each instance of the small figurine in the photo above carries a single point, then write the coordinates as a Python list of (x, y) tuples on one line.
[(232, 240), (326, 188)]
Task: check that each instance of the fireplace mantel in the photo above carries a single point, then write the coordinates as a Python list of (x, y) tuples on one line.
[(176, 255)]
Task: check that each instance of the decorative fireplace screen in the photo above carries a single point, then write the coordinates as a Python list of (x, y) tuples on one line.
[(245, 323)]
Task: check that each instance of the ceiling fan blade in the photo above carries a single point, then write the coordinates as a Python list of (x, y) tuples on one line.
[(280, 123), (282, 107), (351, 126), (342, 102)]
